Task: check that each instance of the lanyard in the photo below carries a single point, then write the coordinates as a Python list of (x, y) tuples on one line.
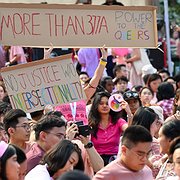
[(73, 110)]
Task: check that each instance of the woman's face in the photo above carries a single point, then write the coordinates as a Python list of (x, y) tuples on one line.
[(146, 96), (154, 84), (164, 142), (133, 105), (69, 166), (2, 93), (176, 160), (12, 168), (103, 107), (177, 102)]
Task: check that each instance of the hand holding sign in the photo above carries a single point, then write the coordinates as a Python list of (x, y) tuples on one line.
[(47, 52)]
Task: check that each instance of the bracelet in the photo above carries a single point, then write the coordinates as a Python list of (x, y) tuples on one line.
[(103, 62), (103, 59)]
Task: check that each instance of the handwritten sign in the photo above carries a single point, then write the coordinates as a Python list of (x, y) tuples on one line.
[(77, 25), (32, 86)]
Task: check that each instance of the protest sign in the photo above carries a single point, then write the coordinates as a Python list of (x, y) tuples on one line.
[(77, 25), (33, 85)]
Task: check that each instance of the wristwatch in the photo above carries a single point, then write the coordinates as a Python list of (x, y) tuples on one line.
[(89, 145)]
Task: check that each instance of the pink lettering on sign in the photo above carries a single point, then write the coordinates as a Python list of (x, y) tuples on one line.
[(20, 24)]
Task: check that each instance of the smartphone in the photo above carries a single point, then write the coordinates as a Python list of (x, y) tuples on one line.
[(84, 130)]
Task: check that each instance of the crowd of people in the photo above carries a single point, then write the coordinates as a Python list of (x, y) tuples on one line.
[(88, 139)]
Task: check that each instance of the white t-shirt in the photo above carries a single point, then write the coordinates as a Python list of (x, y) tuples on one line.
[(116, 171), (38, 173)]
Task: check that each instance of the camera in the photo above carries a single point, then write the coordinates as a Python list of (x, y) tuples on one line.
[(84, 130)]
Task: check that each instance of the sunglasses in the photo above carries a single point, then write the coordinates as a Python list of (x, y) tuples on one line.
[(131, 95)]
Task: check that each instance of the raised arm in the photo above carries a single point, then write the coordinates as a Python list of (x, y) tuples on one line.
[(91, 88)]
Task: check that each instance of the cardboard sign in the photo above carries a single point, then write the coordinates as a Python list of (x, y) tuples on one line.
[(33, 85), (77, 25)]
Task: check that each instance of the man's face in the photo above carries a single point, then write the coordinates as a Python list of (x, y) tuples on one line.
[(22, 130), (122, 72), (53, 136), (136, 158)]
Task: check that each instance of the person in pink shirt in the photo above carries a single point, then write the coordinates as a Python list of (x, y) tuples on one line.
[(16, 55), (107, 127), (135, 148)]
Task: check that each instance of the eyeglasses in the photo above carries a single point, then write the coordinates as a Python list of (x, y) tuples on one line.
[(130, 95), (59, 135), (25, 126), (140, 154)]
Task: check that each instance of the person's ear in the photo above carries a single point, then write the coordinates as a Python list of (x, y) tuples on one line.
[(42, 136), (11, 131), (123, 149), (175, 102)]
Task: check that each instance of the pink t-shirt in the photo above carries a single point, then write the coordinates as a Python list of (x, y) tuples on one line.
[(18, 50), (78, 109), (107, 141), (116, 171)]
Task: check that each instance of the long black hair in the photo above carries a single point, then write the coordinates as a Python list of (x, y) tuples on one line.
[(144, 116), (94, 116), (57, 157)]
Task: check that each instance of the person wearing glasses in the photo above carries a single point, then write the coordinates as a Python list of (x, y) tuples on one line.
[(131, 164), (17, 127), (48, 132)]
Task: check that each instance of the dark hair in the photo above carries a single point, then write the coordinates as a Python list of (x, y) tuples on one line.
[(94, 116), (47, 123), (4, 107), (123, 78), (137, 88), (83, 72), (164, 71), (171, 129), (11, 118), (10, 151), (165, 91), (153, 77), (145, 78), (135, 134), (54, 113), (140, 92), (177, 77), (144, 116), (37, 115), (21, 156), (117, 68), (57, 157), (169, 78), (74, 175), (175, 144), (104, 81)]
